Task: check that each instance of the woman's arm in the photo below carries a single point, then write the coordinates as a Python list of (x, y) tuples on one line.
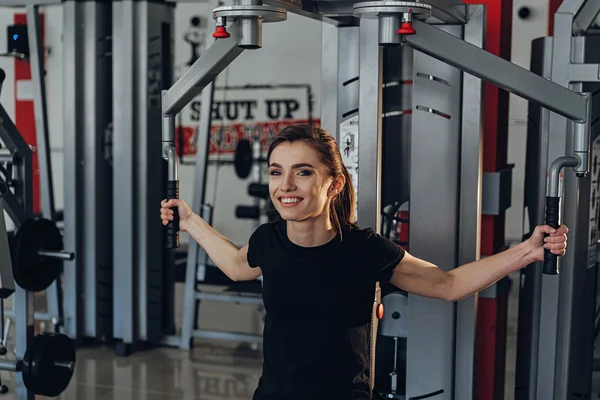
[(226, 255), (423, 278)]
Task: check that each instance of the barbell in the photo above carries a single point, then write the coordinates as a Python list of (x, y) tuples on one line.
[(37, 254), (48, 364)]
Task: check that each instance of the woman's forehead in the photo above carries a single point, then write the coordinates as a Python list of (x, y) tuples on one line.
[(289, 153)]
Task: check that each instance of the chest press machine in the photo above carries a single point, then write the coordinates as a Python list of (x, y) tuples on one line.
[(448, 36)]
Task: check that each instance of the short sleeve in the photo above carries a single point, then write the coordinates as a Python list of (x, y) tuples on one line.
[(256, 245), (383, 256)]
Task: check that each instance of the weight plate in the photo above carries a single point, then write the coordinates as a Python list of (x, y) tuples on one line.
[(242, 159), (49, 364), (32, 272)]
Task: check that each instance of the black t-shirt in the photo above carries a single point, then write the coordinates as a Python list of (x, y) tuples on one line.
[(318, 303)]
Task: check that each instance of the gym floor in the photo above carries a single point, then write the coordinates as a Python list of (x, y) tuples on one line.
[(213, 370)]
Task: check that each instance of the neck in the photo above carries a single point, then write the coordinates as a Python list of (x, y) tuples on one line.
[(311, 232)]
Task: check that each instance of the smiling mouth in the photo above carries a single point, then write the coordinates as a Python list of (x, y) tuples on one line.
[(290, 201)]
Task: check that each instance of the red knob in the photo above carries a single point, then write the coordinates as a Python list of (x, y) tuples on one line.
[(406, 29), (221, 33), (379, 311)]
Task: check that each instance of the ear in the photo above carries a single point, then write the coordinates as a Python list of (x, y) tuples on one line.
[(337, 185)]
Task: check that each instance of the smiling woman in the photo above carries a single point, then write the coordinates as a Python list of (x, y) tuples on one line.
[(320, 271), (306, 162)]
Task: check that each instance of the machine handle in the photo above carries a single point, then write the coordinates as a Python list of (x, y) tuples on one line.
[(173, 225), (551, 260)]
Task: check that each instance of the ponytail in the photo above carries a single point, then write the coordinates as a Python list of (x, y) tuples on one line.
[(342, 210)]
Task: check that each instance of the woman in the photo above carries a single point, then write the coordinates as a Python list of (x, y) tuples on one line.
[(319, 271)]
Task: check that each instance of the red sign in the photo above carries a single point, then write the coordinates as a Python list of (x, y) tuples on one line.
[(224, 138)]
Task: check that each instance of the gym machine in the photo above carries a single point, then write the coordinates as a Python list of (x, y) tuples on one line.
[(143, 308), (33, 259), (29, 47), (449, 65), (555, 342)]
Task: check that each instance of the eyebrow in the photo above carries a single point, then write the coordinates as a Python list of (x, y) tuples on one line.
[(295, 166)]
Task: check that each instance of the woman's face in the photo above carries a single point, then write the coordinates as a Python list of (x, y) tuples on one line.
[(299, 184)]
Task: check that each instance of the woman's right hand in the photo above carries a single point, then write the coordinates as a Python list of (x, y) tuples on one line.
[(166, 212)]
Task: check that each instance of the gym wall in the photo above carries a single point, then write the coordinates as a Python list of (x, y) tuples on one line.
[(290, 54)]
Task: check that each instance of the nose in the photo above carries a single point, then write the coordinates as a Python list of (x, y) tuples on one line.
[(288, 185)]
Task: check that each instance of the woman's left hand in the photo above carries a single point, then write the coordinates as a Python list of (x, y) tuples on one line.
[(556, 241)]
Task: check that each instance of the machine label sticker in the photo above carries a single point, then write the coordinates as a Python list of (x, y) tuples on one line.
[(349, 149)]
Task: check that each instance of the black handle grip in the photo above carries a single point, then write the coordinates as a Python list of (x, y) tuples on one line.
[(173, 225), (551, 260)]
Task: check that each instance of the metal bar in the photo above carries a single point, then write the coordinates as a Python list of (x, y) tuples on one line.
[(584, 72), (38, 316), (452, 14), (24, 331), (229, 298), (73, 116), (8, 365), (435, 148), (330, 40), (233, 336), (14, 209), (210, 64), (575, 211), (36, 60), (504, 74), (125, 260), (196, 254), (7, 283), (370, 133), (562, 55), (586, 16), (11, 137), (471, 189)]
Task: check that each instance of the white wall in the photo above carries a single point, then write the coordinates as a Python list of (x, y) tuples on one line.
[(290, 54)]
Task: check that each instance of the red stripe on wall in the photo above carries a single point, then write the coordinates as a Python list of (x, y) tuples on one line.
[(553, 6), (24, 112)]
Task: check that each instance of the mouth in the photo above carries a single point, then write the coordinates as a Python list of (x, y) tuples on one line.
[(290, 201)]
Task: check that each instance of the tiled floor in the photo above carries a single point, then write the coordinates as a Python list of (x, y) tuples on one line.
[(212, 371)]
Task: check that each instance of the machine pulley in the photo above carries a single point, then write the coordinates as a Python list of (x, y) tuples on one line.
[(395, 17), (37, 254)]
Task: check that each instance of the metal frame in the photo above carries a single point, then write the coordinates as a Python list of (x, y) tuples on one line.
[(19, 211), (87, 170), (139, 254), (471, 202), (557, 295), (370, 79), (436, 163)]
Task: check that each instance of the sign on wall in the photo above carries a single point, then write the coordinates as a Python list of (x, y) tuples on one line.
[(250, 111)]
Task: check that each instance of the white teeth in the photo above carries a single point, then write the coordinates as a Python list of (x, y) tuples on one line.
[(290, 200)]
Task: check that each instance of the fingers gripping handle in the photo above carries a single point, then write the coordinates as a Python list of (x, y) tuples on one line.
[(173, 225), (551, 260)]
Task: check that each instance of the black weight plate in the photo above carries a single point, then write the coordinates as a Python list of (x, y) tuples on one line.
[(40, 373), (242, 159), (31, 272), (27, 364)]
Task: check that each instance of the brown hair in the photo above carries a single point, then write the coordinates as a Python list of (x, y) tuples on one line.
[(342, 206)]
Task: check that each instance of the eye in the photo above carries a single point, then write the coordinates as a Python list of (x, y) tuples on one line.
[(274, 172), (305, 172)]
